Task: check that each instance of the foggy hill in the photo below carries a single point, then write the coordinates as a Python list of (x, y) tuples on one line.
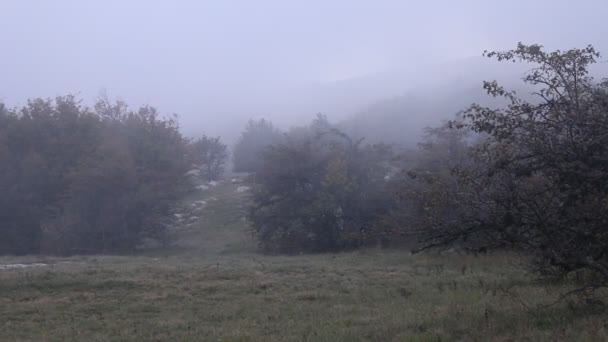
[(447, 89)]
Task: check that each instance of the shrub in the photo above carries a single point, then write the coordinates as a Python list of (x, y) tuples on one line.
[(320, 193), (209, 155)]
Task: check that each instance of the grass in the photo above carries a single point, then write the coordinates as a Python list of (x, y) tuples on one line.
[(211, 285)]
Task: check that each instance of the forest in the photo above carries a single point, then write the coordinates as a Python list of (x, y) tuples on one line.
[(77, 180)]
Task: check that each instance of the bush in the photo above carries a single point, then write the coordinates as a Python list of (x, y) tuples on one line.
[(320, 193), (209, 156), (422, 185)]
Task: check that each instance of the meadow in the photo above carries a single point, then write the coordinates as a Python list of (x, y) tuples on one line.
[(210, 284)]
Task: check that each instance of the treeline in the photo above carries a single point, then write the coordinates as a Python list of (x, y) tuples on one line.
[(531, 177), (315, 189), (78, 180)]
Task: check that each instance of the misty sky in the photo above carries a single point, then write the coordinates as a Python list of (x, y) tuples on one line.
[(216, 63)]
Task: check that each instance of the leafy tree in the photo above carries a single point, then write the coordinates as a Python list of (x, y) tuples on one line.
[(538, 181), (19, 207), (422, 185), (209, 154), (76, 180), (258, 135), (320, 193)]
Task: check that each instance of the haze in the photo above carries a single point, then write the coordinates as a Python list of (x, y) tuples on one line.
[(218, 63)]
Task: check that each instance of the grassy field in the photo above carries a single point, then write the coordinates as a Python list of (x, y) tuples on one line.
[(211, 285)]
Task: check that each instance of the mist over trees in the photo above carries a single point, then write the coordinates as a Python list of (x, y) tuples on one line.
[(210, 156), (76, 180), (519, 172), (528, 176), (257, 136), (322, 170), (319, 191), (537, 183)]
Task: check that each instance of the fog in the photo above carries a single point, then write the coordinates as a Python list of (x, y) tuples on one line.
[(218, 63), (339, 170)]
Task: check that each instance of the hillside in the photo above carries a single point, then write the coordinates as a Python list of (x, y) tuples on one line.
[(445, 91), (401, 119), (440, 93)]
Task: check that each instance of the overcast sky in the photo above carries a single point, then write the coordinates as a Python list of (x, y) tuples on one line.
[(216, 63)]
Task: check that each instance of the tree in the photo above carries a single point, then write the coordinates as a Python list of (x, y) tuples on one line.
[(76, 180), (319, 193), (20, 208), (538, 181), (422, 186), (209, 154), (258, 135)]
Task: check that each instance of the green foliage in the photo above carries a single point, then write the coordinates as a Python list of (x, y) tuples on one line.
[(538, 180), (321, 192), (211, 285), (258, 135), (428, 172), (76, 180)]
